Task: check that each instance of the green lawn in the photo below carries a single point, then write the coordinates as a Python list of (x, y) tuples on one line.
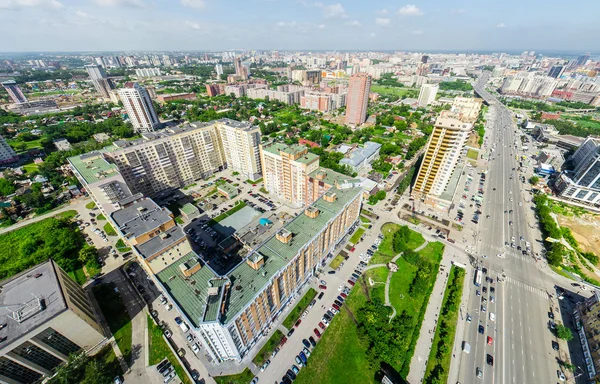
[(364, 219), (265, 352), (110, 231), (339, 259), (116, 315), (241, 378), (357, 235), (90, 205), (339, 357), (100, 217), (299, 308), (438, 365), (254, 181), (30, 167), (28, 144), (385, 252), (78, 275), (400, 92), (121, 246), (472, 154), (50, 93), (159, 350)]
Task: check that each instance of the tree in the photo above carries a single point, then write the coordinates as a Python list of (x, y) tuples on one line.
[(564, 332), (7, 187), (534, 180), (87, 253), (555, 255)]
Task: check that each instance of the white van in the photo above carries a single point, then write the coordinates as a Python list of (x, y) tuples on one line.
[(492, 316), (466, 347), (184, 326)]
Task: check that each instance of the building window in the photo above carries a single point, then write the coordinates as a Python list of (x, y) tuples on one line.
[(17, 372), (56, 341), (36, 355)]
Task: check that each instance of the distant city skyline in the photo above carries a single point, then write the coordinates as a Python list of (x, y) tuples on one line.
[(115, 25)]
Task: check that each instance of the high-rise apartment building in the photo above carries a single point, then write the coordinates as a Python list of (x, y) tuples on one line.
[(14, 92), (231, 313), (240, 70), (587, 324), (285, 169), (241, 146), (582, 59), (100, 80), (444, 149), (148, 72), (556, 71), (138, 105), (357, 99), (7, 154), (582, 185), (160, 162), (219, 69), (427, 94), (46, 316)]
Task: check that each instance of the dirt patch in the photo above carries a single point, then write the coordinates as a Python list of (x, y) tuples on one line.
[(351, 314), (473, 140), (586, 230)]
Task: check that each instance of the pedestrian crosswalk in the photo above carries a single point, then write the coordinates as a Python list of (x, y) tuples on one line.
[(527, 287)]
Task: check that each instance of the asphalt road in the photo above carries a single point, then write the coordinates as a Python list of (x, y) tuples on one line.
[(522, 341)]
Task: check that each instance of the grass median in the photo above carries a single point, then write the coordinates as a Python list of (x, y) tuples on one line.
[(265, 352), (438, 365), (357, 235), (295, 314), (241, 378), (159, 350)]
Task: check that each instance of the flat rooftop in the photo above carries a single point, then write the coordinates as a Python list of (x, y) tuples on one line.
[(328, 176), (93, 167), (141, 217), (191, 293), (276, 148), (19, 300), (247, 282), (160, 242)]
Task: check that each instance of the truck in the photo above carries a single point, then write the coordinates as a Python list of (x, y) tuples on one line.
[(466, 347), (184, 326)]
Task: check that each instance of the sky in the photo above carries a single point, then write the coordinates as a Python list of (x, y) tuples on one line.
[(215, 25)]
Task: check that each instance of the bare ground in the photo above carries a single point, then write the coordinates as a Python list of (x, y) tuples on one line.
[(586, 230)]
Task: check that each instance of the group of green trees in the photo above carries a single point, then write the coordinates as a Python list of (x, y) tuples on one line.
[(568, 128), (458, 85), (406, 180), (384, 340), (378, 196), (81, 368), (446, 328), (388, 80), (331, 160), (55, 238)]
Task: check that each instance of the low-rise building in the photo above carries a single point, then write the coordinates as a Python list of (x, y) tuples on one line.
[(46, 316), (361, 157), (62, 144), (175, 96), (189, 211)]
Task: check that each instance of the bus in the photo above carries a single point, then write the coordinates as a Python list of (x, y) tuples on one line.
[(478, 277)]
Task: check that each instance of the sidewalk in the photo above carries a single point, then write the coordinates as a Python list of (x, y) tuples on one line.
[(460, 331), (423, 347)]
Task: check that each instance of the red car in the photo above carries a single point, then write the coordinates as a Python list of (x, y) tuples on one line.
[(353, 249), (321, 325), (335, 306), (297, 323), (343, 295), (322, 286), (254, 185), (317, 332), (490, 341), (351, 282)]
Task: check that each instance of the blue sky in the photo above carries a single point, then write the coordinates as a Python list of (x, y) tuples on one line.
[(106, 25)]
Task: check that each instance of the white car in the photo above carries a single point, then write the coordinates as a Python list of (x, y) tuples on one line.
[(492, 316), (195, 348)]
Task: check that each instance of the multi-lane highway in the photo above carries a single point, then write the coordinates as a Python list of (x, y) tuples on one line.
[(517, 319)]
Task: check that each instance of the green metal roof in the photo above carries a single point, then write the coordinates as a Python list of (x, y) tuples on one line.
[(93, 167), (307, 158), (247, 282), (191, 293), (275, 148), (228, 189), (331, 177)]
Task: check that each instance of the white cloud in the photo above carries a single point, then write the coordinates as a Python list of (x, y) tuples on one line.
[(193, 3), (285, 24), (353, 23), (193, 25), (117, 3), (501, 25), (410, 10), (334, 11), (382, 21), (321, 26), (15, 4), (416, 32)]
